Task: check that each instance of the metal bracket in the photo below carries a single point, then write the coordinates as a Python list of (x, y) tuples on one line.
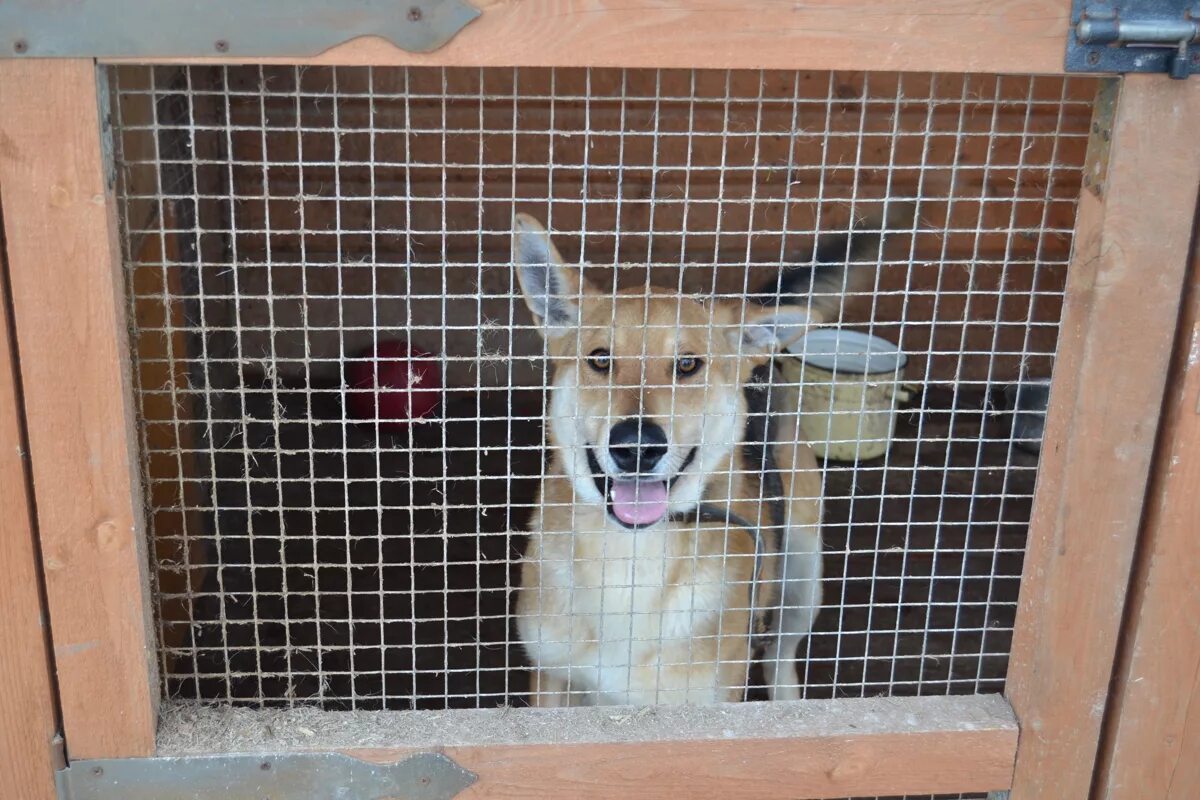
[(302, 776), (1135, 36), (1095, 162), (154, 29)]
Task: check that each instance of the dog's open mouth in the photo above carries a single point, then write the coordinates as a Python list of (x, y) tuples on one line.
[(639, 502)]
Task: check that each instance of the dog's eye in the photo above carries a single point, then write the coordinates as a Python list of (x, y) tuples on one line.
[(599, 360), (687, 364)]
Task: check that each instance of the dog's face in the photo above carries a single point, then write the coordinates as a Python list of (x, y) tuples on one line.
[(647, 392)]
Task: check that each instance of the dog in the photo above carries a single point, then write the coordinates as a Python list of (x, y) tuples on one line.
[(677, 527)]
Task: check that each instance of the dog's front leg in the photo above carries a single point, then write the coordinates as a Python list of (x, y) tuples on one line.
[(801, 601), (547, 690)]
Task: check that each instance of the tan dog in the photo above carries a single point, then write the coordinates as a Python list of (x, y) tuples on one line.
[(656, 546)]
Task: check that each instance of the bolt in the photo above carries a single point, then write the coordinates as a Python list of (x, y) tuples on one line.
[(20, 46), (424, 780), (1093, 58), (414, 14), (1196, 58), (97, 771), (264, 766), (221, 45)]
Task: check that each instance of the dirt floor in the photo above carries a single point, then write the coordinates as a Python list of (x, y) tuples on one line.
[(370, 572)]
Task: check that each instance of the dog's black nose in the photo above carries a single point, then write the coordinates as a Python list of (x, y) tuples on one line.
[(636, 445)]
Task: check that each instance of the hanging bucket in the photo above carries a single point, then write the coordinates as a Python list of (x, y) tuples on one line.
[(849, 386)]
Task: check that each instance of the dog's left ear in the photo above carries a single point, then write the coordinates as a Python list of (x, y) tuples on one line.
[(552, 289), (772, 329)]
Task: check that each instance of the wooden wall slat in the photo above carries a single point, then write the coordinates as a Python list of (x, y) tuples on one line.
[(1123, 295), (28, 721), (745, 769), (71, 335), (1021, 36), (339, 223), (1153, 731)]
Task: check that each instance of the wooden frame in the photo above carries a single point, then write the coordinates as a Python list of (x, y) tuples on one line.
[(28, 720), (64, 270), (1132, 242), (1125, 284), (752, 751), (1004, 36), (1152, 732)]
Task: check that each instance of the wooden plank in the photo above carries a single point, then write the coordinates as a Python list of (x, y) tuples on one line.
[(1154, 719), (27, 716), (809, 749), (69, 317), (1123, 296), (1006, 36)]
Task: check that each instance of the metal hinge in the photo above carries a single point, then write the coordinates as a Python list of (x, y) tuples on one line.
[(154, 29), (301, 776), (1135, 36)]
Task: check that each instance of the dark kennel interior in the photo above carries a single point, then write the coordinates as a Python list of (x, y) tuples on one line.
[(275, 221), (921, 590)]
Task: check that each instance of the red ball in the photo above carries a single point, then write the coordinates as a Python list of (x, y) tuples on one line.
[(394, 383)]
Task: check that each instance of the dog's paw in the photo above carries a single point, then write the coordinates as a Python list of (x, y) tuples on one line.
[(788, 691)]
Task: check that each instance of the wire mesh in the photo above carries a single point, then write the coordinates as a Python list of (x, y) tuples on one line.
[(283, 227)]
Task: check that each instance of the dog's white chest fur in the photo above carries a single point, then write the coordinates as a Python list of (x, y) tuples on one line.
[(616, 626)]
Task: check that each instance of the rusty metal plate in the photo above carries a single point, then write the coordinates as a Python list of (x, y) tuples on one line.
[(191, 28)]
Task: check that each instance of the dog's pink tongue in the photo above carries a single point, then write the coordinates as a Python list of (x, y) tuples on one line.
[(639, 502)]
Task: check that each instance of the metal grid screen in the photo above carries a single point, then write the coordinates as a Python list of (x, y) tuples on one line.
[(282, 224)]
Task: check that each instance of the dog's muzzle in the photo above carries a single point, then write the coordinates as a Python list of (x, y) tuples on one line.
[(637, 497)]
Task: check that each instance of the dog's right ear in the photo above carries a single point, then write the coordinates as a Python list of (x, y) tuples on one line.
[(551, 288)]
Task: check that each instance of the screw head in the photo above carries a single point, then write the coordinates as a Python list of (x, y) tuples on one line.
[(1093, 58), (20, 46), (1195, 57), (221, 46), (414, 14), (97, 771), (265, 766)]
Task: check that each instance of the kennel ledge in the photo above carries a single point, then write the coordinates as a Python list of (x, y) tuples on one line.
[(831, 748)]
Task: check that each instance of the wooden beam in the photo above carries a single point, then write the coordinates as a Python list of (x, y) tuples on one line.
[(1005, 36), (1123, 296), (28, 722), (743, 751), (69, 318), (1154, 720)]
